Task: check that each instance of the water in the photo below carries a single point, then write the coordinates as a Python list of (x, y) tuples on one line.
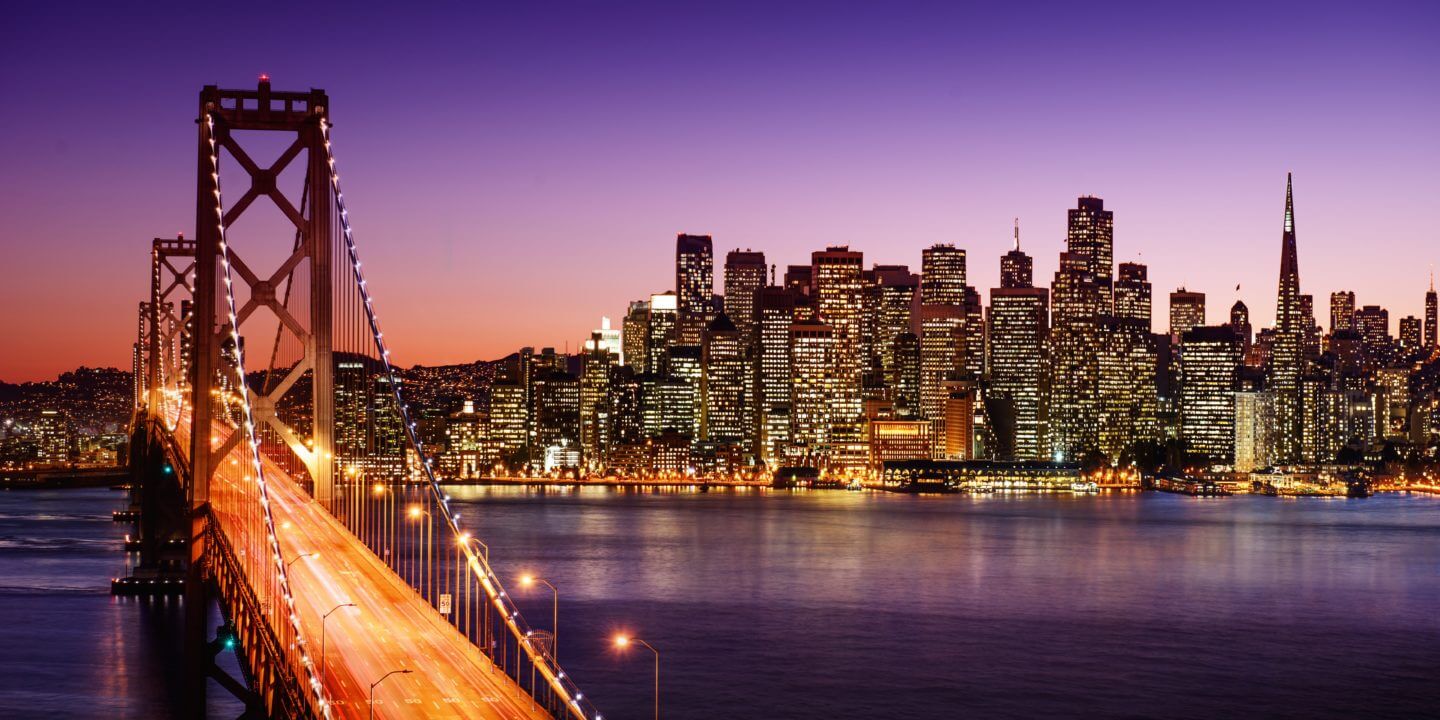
[(818, 604)]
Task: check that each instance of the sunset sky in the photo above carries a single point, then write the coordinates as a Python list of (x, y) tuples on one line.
[(516, 170)]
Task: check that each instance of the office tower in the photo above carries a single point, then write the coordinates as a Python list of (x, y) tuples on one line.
[(667, 405), (608, 338), (635, 334), (1187, 310), (352, 411), (959, 442), (905, 377), (1132, 294), (1128, 402), (54, 438), (1373, 324), (660, 332), (812, 363), (466, 453), (1017, 270), (557, 410), (1016, 341), (839, 289), (1410, 334), (942, 329), (1286, 354), (626, 425), (892, 291), (1074, 358), (1240, 323), (942, 275), (1091, 238), (1342, 311), (1254, 424), (745, 275), (1430, 313), (726, 385), (509, 418), (686, 364), (1209, 363), (1392, 404), (776, 315), (694, 285), (1310, 350), (599, 359)]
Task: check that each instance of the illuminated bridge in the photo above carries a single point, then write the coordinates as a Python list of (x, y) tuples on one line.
[(279, 472)]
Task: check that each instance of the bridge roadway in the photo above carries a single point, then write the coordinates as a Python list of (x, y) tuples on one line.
[(392, 627)]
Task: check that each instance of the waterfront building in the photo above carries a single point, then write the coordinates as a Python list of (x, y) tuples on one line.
[(812, 372), (599, 359), (726, 385), (1287, 353), (837, 274), (54, 438), (1187, 311), (1128, 402), (894, 440), (1209, 363), (557, 410), (1074, 358), (1254, 425), (467, 455), (1017, 343), (509, 418), (776, 315), (959, 442), (745, 276)]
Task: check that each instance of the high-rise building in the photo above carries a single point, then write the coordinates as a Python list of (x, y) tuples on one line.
[(1017, 338), (1132, 294), (1254, 423), (686, 364), (694, 285), (1287, 353), (1373, 324), (1342, 311), (1187, 310), (1128, 391), (776, 314), (892, 292), (1430, 314), (54, 438), (509, 418), (727, 385), (1091, 238), (660, 332), (745, 275), (1410, 335), (611, 340), (1240, 323), (959, 442), (839, 296), (635, 334), (557, 410), (942, 275), (1017, 270), (1310, 348), (599, 359), (1209, 366), (812, 372), (1074, 358), (905, 377)]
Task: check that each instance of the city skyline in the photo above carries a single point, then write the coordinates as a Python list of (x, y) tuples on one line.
[(881, 137)]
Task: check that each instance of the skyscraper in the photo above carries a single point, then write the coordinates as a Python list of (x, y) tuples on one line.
[(1373, 324), (1410, 334), (1240, 323), (942, 329), (1017, 270), (1016, 342), (892, 293), (1187, 310), (634, 334), (660, 332), (1074, 358), (744, 277), (726, 385), (1209, 362), (837, 274), (1091, 238), (776, 315), (1342, 311), (1430, 313), (812, 362), (1132, 294), (1286, 355), (694, 285), (942, 275)]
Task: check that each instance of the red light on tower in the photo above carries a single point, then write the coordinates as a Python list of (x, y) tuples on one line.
[(264, 77)]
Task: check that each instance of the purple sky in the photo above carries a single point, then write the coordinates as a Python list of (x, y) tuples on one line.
[(516, 170)]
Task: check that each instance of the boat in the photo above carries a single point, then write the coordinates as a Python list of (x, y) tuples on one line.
[(1084, 486)]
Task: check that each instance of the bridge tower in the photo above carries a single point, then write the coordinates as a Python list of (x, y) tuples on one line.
[(226, 118)]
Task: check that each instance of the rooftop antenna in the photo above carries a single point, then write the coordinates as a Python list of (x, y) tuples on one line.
[(1017, 234)]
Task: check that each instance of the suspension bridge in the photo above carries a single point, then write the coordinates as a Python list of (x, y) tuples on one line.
[(279, 473)]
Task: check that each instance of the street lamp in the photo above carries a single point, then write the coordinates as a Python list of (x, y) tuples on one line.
[(371, 701), (623, 641), (298, 558), (323, 618), (424, 554), (530, 580)]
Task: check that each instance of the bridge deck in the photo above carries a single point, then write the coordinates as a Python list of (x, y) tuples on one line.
[(392, 627)]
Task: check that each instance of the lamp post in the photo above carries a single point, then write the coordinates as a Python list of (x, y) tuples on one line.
[(298, 558), (323, 618), (371, 699), (623, 641), (425, 534), (529, 580)]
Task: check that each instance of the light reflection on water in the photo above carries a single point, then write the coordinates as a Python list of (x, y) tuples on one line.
[(814, 604)]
